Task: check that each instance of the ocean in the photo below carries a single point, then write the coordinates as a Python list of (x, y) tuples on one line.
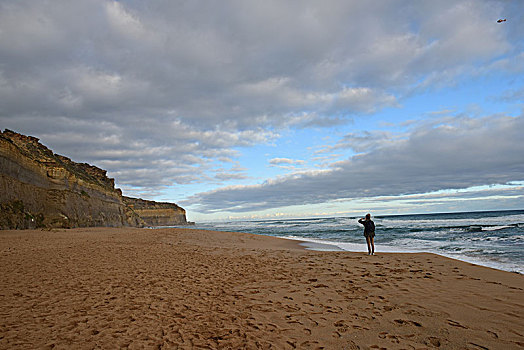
[(492, 238)]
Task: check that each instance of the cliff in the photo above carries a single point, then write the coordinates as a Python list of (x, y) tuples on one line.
[(41, 189), (155, 213)]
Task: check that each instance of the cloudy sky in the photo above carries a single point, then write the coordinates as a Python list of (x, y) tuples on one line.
[(238, 109)]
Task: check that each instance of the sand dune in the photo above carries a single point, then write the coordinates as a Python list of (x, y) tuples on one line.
[(181, 288)]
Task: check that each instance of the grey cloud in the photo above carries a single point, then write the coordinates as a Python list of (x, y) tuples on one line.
[(151, 155), (487, 201), (453, 154), (512, 190), (157, 90), (241, 62), (363, 141)]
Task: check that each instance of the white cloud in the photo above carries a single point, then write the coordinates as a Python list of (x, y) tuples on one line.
[(288, 161), (287, 164)]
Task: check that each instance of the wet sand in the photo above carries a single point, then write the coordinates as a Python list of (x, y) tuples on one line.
[(180, 288)]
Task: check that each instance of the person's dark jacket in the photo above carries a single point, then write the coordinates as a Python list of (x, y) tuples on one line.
[(369, 227)]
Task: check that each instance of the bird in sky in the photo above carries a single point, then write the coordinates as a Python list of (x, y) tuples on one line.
[(501, 20)]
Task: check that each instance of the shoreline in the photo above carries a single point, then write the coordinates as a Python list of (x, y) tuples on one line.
[(183, 287), (393, 250), (320, 245)]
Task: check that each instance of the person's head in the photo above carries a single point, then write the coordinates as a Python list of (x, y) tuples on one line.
[(368, 216)]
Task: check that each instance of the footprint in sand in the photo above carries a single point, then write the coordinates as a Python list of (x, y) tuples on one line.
[(407, 322), (479, 346), (456, 324), (493, 334), (393, 338), (341, 326), (360, 327), (308, 344), (293, 344), (433, 341)]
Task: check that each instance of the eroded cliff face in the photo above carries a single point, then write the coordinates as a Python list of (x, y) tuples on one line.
[(41, 189), (157, 214)]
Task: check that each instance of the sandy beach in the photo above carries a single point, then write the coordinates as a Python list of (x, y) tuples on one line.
[(181, 288)]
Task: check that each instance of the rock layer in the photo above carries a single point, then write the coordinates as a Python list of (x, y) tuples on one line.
[(41, 189), (155, 213)]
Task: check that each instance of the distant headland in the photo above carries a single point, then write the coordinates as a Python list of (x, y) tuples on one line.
[(40, 189)]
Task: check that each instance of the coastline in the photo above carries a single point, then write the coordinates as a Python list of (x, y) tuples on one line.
[(381, 249), (181, 287), (492, 239), (329, 246)]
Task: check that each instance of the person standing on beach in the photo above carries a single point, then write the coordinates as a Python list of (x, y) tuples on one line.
[(369, 233)]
